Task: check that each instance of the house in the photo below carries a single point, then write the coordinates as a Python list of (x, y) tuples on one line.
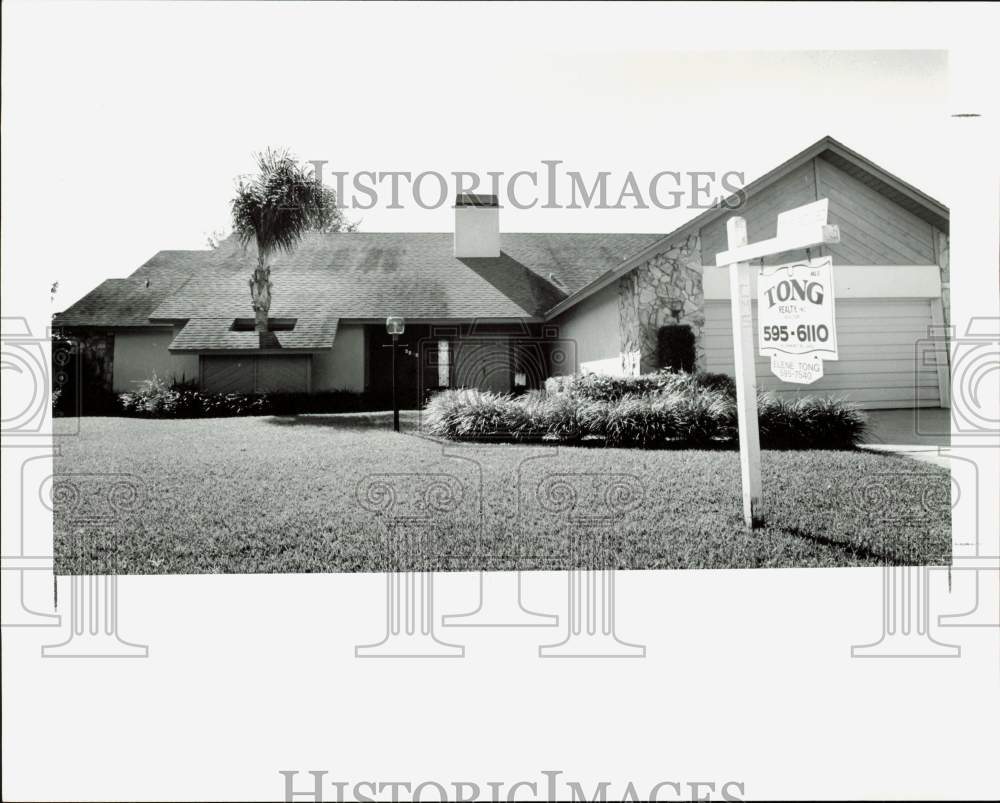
[(503, 311)]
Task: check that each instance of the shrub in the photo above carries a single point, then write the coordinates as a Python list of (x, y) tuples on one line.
[(723, 383), (155, 399), (598, 387), (686, 414), (675, 347), (477, 415), (642, 421), (809, 422), (558, 417)]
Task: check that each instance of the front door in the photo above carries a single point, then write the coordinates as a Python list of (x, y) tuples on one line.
[(483, 363)]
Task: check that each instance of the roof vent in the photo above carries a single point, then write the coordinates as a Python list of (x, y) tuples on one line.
[(477, 226), (557, 282)]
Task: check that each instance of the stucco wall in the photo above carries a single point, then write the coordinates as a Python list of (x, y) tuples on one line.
[(593, 327), (140, 354), (343, 366)]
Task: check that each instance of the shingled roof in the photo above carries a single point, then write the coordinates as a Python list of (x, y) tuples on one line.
[(130, 301), (357, 276)]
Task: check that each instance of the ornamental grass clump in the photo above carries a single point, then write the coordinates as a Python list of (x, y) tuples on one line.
[(559, 417), (809, 422), (688, 410), (596, 387), (704, 417), (476, 415), (643, 421)]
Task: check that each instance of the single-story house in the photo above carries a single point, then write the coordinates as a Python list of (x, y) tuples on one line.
[(503, 311)]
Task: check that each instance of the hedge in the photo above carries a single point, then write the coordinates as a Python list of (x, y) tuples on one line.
[(597, 387), (156, 399), (688, 414)]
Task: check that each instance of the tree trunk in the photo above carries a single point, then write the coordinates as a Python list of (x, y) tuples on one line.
[(260, 294)]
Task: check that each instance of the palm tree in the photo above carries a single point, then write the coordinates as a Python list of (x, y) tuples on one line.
[(273, 209)]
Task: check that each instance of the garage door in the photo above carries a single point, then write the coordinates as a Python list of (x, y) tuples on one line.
[(265, 374), (878, 342)]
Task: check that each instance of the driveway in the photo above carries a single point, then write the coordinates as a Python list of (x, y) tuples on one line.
[(914, 433)]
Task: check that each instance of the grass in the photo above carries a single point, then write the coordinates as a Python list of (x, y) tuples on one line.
[(330, 493)]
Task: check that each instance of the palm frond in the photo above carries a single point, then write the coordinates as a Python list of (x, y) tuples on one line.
[(276, 207)]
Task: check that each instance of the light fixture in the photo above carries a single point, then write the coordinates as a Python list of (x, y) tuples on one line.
[(676, 308), (395, 326)]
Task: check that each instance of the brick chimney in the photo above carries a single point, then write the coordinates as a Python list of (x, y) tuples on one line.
[(477, 226)]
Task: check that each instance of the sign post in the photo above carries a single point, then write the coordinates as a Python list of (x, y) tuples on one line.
[(741, 302), (798, 229)]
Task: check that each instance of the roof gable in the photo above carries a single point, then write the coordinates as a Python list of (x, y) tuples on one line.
[(854, 164)]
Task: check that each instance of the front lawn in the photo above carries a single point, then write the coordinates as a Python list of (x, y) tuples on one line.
[(330, 493)]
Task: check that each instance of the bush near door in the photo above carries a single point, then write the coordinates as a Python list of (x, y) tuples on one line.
[(653, 411)]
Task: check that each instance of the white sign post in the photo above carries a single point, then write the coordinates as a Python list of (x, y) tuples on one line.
[(798, 229), (741, 304)]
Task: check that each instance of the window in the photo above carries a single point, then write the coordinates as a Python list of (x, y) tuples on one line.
[(444, 364)]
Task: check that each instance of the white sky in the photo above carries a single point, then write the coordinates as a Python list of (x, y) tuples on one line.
[(125, 124)]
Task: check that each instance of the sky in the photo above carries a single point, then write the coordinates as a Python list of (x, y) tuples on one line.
[(125, 124)]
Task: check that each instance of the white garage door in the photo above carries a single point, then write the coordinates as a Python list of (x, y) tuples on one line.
[(881, 364)]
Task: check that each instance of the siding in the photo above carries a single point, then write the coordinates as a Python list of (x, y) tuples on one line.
[(761, 213), (592, 330), (873, 229), (881, 365)]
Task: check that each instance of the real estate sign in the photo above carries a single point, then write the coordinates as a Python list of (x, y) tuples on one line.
[(796, 325)]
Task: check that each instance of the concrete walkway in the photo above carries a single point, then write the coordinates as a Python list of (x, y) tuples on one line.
[(914, 433)]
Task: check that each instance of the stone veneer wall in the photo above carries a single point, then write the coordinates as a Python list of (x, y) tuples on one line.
[(644, 297)]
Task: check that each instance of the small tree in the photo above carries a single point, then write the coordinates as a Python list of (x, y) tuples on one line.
[(273, 209)]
